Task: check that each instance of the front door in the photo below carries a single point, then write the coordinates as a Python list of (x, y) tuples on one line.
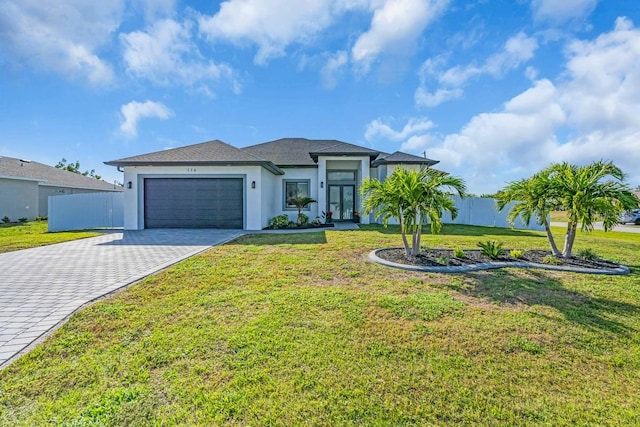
[(342, 201)]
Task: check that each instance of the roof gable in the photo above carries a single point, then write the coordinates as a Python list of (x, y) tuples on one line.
[(305, 152), (403, 158), (48, 175)]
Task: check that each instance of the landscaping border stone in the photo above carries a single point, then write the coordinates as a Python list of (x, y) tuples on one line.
[(619, 271)]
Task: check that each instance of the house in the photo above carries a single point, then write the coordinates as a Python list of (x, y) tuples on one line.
[(25, 187), (216, 185)]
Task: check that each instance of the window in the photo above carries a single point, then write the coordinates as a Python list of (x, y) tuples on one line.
[(341, 176), (295, 189)]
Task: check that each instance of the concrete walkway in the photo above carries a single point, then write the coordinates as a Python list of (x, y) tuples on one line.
[(41, 287)]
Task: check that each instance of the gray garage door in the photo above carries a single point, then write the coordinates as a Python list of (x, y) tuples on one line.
[(193, 203)]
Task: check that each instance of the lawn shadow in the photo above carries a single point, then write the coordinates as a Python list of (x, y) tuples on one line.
[(460, 230), (532, 287), (284, 238)]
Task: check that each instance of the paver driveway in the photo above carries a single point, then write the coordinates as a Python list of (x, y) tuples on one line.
[(40, 287)]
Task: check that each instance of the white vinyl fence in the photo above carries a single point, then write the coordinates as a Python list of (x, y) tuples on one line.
[(483, 211), (86, 211)]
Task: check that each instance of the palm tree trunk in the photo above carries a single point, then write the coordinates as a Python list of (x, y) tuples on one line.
[(552, 242), (403, 232), (569, 238), (416, 246)]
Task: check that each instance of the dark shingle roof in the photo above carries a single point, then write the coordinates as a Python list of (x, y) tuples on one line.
[(206, 153), (304, 152), (48, 175), (403, 158)]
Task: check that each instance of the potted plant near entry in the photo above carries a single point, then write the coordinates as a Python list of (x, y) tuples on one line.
[(356, 217)]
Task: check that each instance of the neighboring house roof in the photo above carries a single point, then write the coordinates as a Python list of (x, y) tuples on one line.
[(403, 158), (49, 176), (206, 153), (304, 152)]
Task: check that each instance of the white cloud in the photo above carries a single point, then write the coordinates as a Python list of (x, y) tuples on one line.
[(396, 24), (270, 24), (427, 99), (134, 111), (332, 68), (589, 114), (378, 129), (156, 9), (62, 36), (517, 50), (560, 11), (273, 25), (603, 89), (165, 53)]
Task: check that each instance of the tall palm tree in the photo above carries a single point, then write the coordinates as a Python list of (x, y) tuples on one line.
[(530, 198), (411, 197), (587, 193), (301, 202)]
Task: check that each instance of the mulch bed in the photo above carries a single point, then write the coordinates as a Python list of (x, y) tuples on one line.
[(445, 257)]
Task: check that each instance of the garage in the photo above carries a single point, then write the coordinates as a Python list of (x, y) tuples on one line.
[(193, 203)]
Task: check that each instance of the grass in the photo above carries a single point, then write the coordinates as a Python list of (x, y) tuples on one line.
[(14, 237), (300, 329), (559, 216)]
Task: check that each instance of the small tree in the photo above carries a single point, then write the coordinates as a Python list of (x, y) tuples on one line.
[(587, 193), (301, 203), (75, 168), (411, 197)]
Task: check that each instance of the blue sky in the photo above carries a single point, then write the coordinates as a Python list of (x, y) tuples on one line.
[(495, 89)]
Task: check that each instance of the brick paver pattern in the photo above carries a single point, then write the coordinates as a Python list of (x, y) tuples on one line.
[(40, 287)]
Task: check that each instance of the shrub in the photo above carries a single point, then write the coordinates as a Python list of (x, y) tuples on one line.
[(552, 260), (6, 220), (23, 219), (303, 219), (458, 253), (491, 248), (443, 260), (317, 221), (588, 254), (280, 221), (516, 253)]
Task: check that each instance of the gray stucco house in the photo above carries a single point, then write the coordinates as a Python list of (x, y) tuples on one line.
[(25, 187), (216, 185)]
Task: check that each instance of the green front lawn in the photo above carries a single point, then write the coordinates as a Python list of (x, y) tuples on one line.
[(301, 329), (26, 235)]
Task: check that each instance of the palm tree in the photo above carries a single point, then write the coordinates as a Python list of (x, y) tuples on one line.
[(411, 196), (582, 191), (301, 202), (589, 193), (531, 199)]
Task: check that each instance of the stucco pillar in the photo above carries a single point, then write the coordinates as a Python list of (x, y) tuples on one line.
[(322, 185), (365, 173)]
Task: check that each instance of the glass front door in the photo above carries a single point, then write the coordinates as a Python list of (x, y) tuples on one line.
[(342, 201)]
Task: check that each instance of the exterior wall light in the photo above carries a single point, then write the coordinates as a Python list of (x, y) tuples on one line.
[(321, 184), (253, 184), (129, 185)]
